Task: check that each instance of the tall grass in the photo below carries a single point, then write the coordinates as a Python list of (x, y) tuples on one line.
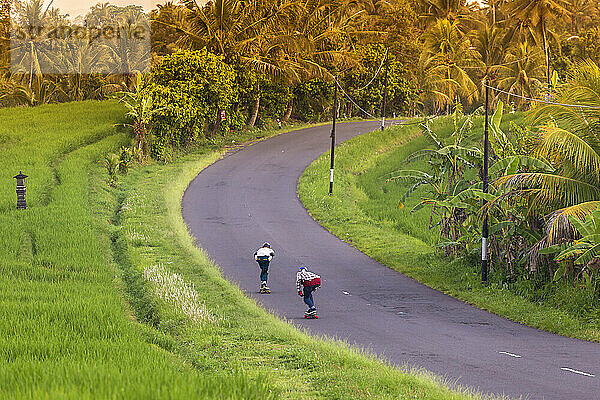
[(364, 211)]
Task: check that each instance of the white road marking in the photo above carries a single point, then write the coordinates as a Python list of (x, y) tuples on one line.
[(510, 354), (346, 293), (578, 372)]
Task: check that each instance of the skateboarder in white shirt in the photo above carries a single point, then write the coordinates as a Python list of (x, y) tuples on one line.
[(263, 257)]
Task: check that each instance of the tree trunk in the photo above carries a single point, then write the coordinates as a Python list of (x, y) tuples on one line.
[(254, 115), (547, 54), (217, 124), (288, 111), (570, 269)]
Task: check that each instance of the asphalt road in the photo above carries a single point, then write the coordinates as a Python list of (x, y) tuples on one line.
[(250, 197)]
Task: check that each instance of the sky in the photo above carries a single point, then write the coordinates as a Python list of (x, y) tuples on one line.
[(81, 7)]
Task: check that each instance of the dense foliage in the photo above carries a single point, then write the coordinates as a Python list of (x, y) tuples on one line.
[(544, 198), (191, 88), (434, 52)]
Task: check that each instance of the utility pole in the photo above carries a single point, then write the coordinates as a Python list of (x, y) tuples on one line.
[(335, 107), (484, 230), (385, 83)]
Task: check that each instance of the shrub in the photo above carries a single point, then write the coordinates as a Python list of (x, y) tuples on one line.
[(125, 158), (192, 86), (252, 83), (275, 97), (111, 162), (313, 100)]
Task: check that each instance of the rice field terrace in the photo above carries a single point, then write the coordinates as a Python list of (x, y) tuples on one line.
[(104, 295), (65, 328)]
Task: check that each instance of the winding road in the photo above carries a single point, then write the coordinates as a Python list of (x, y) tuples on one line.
[(250, 197)]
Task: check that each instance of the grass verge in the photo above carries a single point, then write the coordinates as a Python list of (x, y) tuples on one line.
[(364, 212)]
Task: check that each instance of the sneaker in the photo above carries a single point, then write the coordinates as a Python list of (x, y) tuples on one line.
[(311, 311)]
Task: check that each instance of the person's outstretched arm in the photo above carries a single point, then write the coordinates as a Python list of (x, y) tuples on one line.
[(299, 284)]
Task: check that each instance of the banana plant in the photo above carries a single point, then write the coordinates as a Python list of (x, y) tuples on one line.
[(447, 162), (140, 109)]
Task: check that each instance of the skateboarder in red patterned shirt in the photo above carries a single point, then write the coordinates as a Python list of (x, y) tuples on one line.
[(306, 283)]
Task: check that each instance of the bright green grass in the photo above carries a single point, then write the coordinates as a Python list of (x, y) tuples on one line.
[(78, 319), (65, 328), (364, 211)]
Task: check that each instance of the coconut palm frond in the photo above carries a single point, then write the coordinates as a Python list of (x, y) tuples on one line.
[(549, 189), (583, 88), (562, 145), (560, 223)]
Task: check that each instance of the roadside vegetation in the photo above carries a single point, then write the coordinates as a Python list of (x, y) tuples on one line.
[(277, 59), (411, 198), (104, 294)]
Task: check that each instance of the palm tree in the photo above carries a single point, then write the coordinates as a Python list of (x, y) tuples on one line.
[(490, 43), (521, 74), (582, 12), (243, 32), (80, 58), (100, 15), (287, 40), (538, 14), (164, 22), (127, 55), (452, 10), (569, 138), (33, 55), (4, 35), (495, 8), (444, 60)]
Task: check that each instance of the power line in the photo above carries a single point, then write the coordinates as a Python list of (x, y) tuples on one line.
[(542, 101), (507, 63), (352, 101), (376, 73), (473, 92)]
